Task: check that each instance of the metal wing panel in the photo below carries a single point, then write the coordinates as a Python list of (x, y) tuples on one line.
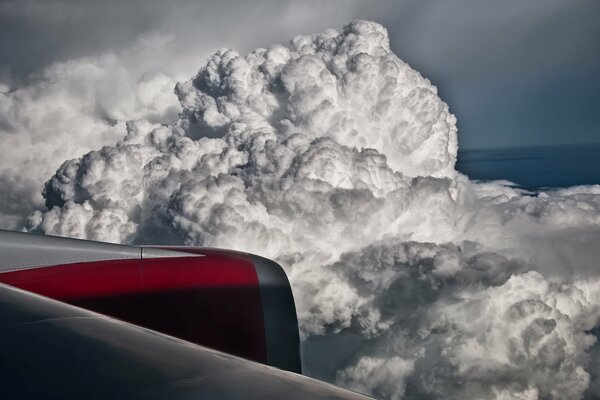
[(52, 350)]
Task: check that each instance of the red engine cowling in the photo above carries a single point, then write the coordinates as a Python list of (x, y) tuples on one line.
[(235, 302)]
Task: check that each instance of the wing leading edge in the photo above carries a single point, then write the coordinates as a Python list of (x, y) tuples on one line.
[(52, 350)]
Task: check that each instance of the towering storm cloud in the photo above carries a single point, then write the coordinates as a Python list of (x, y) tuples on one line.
[(336, 158)]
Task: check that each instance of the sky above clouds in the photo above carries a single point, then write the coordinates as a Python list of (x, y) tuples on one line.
[(514, 72)]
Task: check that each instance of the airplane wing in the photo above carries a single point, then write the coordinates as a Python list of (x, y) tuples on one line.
[(105, 343)]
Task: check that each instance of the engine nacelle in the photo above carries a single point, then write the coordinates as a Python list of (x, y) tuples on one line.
[(235, 302)]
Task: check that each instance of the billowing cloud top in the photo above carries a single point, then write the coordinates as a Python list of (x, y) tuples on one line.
[(333, 156)]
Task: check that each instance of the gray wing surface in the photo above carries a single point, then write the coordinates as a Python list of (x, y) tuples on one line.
[(52, 350)]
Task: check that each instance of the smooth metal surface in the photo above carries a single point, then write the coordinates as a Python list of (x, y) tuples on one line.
[(51, 350), (279, 311), (19, 250), (150, 252)]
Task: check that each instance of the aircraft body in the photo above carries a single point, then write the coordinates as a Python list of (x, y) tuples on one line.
[(84, 319)]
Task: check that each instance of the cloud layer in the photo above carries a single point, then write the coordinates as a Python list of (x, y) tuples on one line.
[(334, 157)]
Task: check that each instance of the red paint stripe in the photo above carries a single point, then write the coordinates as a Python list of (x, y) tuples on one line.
[(99, 278), (63, 282), (208, 271)]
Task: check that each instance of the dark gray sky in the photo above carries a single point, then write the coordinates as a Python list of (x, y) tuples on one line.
[(515, 72)]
